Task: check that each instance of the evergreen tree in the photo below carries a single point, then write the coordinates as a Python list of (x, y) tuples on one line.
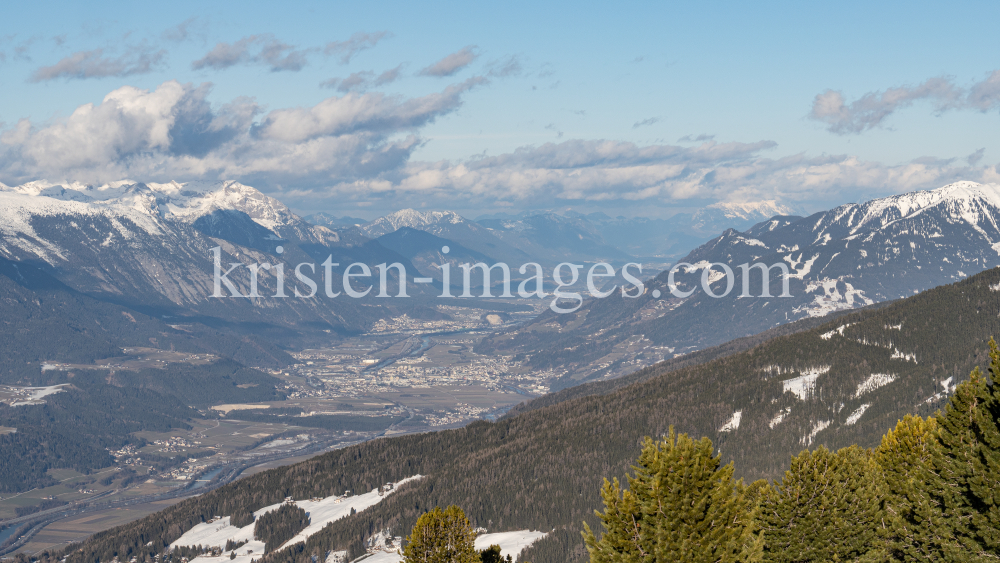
[(826, 508), (913, 523), (441, 536), (491, 555), (278, 526), (966, 468), (680, 506)]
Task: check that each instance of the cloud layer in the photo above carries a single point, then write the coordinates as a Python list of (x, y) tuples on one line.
[(871, 109), (174, 132), (359, 148)]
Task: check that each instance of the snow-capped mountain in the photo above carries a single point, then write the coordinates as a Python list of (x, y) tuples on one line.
[(429, 221), (723, 215), (149, 244), (848, 257)]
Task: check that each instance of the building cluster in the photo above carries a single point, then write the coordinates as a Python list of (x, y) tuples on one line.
[(174, 444), (127, 455), (347, 376), (187, 471)]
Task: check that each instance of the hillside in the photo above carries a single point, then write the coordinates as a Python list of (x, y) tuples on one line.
[(99, 409), (845, 381)]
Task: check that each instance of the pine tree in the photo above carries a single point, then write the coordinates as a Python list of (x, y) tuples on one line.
[(825, 508), (680, 506), (491, 555), (441, 536), (913, 524), (967, 466)]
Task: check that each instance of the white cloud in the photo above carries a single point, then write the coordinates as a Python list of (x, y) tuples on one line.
[(254, 49), (452, 63), (173, 132), (94, 64), (871, 109), (363, 80), (375, 112), (659, 175), (357, 43)]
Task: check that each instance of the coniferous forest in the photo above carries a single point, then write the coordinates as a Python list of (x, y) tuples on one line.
[(925, 493)]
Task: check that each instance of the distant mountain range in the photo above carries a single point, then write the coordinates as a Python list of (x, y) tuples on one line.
[(552, 237), (642, 237), (850, 256), (148, 246)]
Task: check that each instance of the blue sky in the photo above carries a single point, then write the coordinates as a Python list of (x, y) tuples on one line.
[(640, 109)]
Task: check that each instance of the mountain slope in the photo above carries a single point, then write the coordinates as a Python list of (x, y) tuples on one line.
[(845, 381), (845, 258)]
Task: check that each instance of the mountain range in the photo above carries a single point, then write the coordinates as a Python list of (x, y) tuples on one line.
[(850, 256), (149, 246), (548, 236)]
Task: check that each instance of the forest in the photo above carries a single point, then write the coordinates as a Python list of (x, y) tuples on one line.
[(926, 492)]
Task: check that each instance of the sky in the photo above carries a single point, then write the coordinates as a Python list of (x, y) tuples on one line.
[(637, 109)]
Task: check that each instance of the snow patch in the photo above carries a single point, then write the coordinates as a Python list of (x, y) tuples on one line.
[(818, 427), (873, 382), (734, 422), (806, 266), (856, 415), (511, 543), (948, 387), (905, 356), (831, 299), (751, 242), (839, 330), (321, 512), (805, 384), (779, 417), (39, 393)]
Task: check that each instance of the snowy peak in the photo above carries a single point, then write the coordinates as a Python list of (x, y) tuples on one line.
[(190, 204), (173, 200), (410, 218), (969, 202), (751, 210)]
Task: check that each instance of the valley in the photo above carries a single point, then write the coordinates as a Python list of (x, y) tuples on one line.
[(140, 404)]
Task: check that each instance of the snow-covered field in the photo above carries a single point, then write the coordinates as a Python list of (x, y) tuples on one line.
[(321, 512), (509, 542), (37, 393)]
